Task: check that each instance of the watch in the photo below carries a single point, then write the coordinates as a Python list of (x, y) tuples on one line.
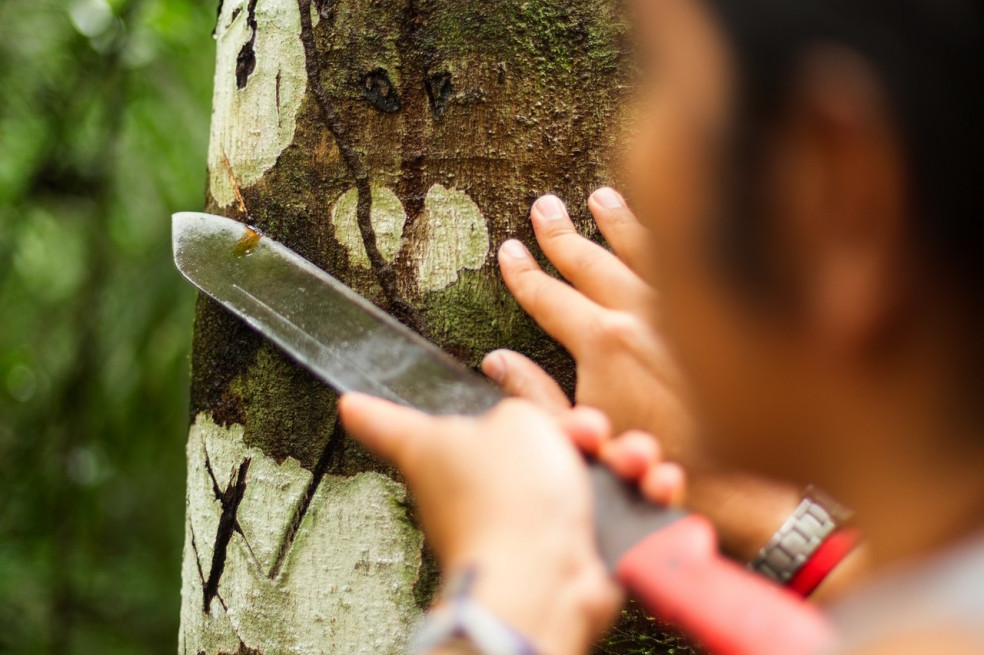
[(791, 547), (461, 620)]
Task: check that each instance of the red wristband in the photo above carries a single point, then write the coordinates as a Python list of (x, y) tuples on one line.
[(825, 559)]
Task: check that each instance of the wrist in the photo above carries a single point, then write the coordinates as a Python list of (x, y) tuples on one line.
[(554, 597), (812, 542), (745, 510), (460, 624)]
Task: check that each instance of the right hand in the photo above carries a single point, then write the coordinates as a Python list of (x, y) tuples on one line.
[(605, 318), (634, 456), (504, 495)]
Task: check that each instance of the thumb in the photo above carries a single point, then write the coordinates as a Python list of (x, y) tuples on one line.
[(521, 377)]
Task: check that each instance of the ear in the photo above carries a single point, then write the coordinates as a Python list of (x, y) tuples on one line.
[(845, 198)]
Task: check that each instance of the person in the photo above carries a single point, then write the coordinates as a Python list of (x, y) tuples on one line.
[(800, 299)]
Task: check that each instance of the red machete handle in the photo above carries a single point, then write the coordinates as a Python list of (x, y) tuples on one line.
[(678, 575)]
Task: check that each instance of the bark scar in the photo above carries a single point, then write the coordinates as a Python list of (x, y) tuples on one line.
[(379, 90), (246, 60), (330, 456), (439, 92), (198, 564), (384, 272), (228, 523), (278, 97)]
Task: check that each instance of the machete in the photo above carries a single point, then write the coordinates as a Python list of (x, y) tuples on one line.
[(666, 559)]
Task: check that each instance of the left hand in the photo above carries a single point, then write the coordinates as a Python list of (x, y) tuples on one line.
[(507, 495), (606, 318)]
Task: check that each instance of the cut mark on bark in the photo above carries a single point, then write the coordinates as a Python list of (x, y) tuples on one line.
[(246, 60), (229, 500), (198, 557), (201, 574), (380, 92), (439, 91), (384, 272), (278, 95), (240, 199), (220, 496), (330, 456), (346, 584)]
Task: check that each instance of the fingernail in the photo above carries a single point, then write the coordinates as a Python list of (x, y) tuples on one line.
[(551, 208), (609, 198), (514, 249), (494, 367)]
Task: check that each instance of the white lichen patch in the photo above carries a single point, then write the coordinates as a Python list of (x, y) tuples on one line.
[(346, 582), (387, 217), (252, 125), (451, 235)]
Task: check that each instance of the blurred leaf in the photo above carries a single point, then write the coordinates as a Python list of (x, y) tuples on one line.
[(104, 109)]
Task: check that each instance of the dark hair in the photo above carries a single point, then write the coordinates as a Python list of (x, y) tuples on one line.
[(929, 55)]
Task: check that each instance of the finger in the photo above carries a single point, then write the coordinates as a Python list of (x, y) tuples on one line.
[(588, 266), (631, 455), (557, 307), (665, 484), (521, 377), (395, 433), (623, 232), (588, 428)]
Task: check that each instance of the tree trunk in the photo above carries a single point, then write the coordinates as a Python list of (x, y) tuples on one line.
[(393, 144)]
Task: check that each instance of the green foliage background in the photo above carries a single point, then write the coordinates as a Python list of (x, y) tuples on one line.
[(104, 110)]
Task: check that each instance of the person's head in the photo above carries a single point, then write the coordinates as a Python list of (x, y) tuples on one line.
[(812, 172)]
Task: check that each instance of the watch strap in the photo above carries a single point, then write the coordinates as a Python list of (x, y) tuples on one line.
[(816, 518), (460, 618), (827, 557)]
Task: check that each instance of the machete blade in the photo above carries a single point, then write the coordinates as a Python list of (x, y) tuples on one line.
[(338, 335), (352, 345)]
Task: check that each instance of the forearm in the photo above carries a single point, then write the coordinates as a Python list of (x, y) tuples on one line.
[(747, 511)]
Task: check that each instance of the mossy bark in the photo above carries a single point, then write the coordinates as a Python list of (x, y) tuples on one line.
[(394, 144)]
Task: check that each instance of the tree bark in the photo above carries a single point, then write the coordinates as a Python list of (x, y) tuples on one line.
[(394, 144)]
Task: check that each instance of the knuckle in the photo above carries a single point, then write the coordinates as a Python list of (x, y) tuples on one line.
[(520, 270), (519, 384), (529, 386), (589, 258), (525, 283), (557, 230), (619, 216), (538, 296), (617, 328)]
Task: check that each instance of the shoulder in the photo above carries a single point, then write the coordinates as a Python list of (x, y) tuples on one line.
[(951, 642), (934, 606)]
